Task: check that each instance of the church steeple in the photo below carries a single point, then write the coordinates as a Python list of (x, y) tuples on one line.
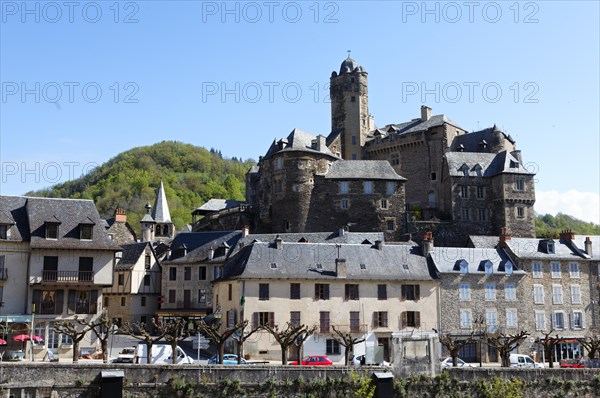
[(160, 212), (158, 226), (349, 91)]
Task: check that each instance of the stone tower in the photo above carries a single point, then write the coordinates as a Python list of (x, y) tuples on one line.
[(147, 224), (162, 216), (350, 108)]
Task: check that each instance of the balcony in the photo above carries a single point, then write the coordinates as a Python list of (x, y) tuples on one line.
[(3, 274), (68, 277)]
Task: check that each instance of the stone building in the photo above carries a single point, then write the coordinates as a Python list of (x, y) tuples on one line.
[(119, 230), (156, 223), (369, 289)]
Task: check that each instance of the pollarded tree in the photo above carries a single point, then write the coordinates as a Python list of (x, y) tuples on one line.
[(175, 332), (75, 330), (286, 336), (213, 331), (300, 339), (454, 343), (138, 331), (240, 336), (346, 340), (504, 343), (591, 342), (549, 344), (102, 327)]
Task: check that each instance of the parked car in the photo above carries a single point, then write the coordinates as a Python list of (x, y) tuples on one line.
[(359, 360), (314, 360), (161, 354), (228, 359), (447, 363), (524, 361), (126, 355), (572, 363)]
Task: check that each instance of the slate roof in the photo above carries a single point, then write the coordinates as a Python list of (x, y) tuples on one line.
[(316, 261), (218, 204), (14, 211), (470, 141), (297, 140), (483, 241), (122, 232), (253, 169), (349, 65), (579, 242), (447, 260), (413, 126), (160, 211), (363, 169), (491, 163), (131, 254), (198, 243)]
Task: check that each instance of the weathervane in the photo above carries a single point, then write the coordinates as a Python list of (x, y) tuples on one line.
[(349, 51)]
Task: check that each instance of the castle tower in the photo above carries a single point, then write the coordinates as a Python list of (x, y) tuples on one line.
[(164, 228), (350, 107), (147, 224)]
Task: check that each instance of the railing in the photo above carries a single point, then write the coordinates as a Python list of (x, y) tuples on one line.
[(3, 274), (68, 276)]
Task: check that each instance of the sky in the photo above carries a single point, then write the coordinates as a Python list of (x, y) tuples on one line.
[(84, 81)]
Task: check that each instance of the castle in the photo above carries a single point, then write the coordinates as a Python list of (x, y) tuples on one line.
[(425, 173)]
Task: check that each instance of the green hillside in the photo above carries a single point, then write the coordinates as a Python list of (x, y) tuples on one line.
[(549, 226), (191, 176)]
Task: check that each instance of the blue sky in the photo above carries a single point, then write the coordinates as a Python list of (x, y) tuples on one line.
[(84, 81)]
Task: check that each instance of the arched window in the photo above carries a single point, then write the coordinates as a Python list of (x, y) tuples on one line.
[(431, 199), (158, 230)]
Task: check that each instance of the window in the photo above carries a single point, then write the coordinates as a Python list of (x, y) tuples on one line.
[(51, 230), (368, 187), (381, 292), (520, 184), (395, 159), (389, 225), (294, 291), (230, 292), (555, 270), (411, 319), (106, 301), (520, 212), (491, 320), (172, 296), (85, 231), (324, 321), (384, 204), (3, 231), (390, 188), (482, 214), (278, 163), (489, 270), (202, 273), (574, 270), (538, 294), (480, 192), (122, 301), (464, 267), (510, 292), (86, 269), (263, 291), (263, 319), (537, 270), (172, 274), (508, 268), (344, 204), (490, 292), (83, 302), (465, 214), (321, 291), (201, 296), (147, 280), (48, 302), (557, 294), (50, 271), (187, 273), (466, 320), (511, 318), (575, 294), (121, 279), (433, 176), (464, 191), (295, 318), (380, 319), (353, 156), (353, 99), (354, 140), (143, 299), (559, 320), (65, 340), (540, 320), (354, 321), (147, 261), (332, 346), (577, 320), (344, 189), (464, 292), (351, 292), (411, 292)]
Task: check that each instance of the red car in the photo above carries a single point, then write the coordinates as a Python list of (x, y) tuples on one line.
[(572, 363), (314, 360)]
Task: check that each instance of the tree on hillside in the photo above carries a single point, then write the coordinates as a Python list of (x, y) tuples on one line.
[(505, 343), (139, 332), (454, 343), (286, 336), (347, 341), (75, 330), (549, 344)]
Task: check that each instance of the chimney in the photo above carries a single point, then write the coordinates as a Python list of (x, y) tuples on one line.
[(567, 235), (517, 155), (340, 267), (245, 231), (588, 246), (342, 232), (379, 245), (504, 236), (427, 243), (278, 243), (425, 113), (321, 145), (211, 253), (120, 215)]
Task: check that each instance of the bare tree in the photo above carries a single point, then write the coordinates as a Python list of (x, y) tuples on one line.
[(101, 327), (286, 336), (213, 332), (504, 343), (240, 336), (347, 341), (138, 331), (454, 343), (300, 339), (549, 343), (591, 342), (75, 330), (174, 333)]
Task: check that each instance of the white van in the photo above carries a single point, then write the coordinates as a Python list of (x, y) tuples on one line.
[(524, 361), (161, 354)]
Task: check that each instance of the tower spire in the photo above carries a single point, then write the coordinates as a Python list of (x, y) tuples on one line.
[(160, 212)]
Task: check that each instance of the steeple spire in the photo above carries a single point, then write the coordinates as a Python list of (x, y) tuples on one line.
[(160, 212)]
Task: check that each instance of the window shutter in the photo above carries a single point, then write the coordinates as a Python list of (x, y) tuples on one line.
[(71, 302), (582, 320), (375, 319), (254, 320), (327, 292), (37, 300), (272, 319), (94, 302), (347, 292), (403, 292), (316, 291), (385, 319), (404, 320), (58, 301), (417, 292), (417, 319)]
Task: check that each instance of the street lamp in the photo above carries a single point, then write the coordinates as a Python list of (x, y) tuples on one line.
[(479, 325)]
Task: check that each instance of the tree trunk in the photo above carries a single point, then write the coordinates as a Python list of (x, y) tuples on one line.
[(283, 354), (548, 353), (75, 350), (149, 349), (221, 351), (104, 344), (174, 351), (346, 352)]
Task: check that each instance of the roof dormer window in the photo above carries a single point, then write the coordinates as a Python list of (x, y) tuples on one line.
[(550, 247), (4, 231), (86, 231), (508, 268), (52, 230)]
